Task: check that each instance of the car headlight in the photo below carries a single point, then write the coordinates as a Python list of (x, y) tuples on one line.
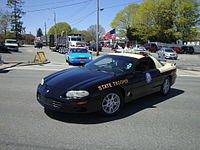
[(90, 57), (77, 94), (42, 82)]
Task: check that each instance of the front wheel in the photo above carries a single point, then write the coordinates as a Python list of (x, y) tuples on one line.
[(112, 103), (166, 86)]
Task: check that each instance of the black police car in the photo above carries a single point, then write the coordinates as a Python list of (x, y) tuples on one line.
[(106, 83)]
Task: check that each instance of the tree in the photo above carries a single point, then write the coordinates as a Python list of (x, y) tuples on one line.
[(124, 21), (39, 32), (60, 28), (16, 16), (187, 19), (87, 36), (4, 22), (92, 31), (159, 20)]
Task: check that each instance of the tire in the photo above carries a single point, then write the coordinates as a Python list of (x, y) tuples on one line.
[(112, 102), (166, 86)]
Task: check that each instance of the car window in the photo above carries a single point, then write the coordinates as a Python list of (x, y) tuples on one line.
[(169, 50), (78, 50), (111, 63), (145, 64)]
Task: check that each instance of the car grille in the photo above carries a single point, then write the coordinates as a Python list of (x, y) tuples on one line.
[(80, 58), (50, 101)]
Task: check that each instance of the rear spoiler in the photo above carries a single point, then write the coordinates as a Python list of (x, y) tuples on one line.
[(164, 60), (161, 59)]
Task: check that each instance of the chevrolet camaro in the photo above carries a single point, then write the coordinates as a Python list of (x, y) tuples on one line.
[(106, 83)]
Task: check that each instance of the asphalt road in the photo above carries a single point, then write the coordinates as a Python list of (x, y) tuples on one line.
[(153, 122), (150, 123)]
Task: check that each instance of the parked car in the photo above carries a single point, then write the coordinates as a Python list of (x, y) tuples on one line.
[(63, 50), (93, 47), (167, 53), (151, 47), (136, 50), (38, 44), (106, 83), (11, 44), (178, 50), (3, 48), (188, 49), (78, 55)]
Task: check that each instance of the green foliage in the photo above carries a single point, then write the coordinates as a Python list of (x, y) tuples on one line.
[(159, 20), (16, 15), (60, 27), (87, 36), (125, 18), (39, 32), (4, 22)]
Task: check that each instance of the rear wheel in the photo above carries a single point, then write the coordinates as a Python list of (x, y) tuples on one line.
[(166, 86), (112, 103)]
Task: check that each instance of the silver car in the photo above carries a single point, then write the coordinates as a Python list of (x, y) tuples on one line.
[(167, 53)]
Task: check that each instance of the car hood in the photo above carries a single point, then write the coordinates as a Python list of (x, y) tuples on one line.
[(75, 78), (169, 53), (79, 55), (11, 44)]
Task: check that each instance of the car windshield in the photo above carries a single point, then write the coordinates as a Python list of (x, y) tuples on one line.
[(78, 50), (94, 45), (169, 50), (10, 41), (112, 63)]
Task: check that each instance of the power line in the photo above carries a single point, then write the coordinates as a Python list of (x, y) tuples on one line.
[(59, 6), (81, 10), (44, 4), (119, 5), (102, 10), (83, 18)]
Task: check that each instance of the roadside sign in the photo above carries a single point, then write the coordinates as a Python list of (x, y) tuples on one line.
[(40, 57)]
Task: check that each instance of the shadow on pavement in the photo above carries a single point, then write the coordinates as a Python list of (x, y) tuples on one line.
[(4, 70), (10, 52), (130, 109)]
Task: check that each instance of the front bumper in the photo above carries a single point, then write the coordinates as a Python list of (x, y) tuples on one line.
[(80, 61), (171, 57), (13, 48), (93, 104)]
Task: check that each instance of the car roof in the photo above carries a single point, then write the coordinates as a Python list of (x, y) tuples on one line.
[(137, 56)]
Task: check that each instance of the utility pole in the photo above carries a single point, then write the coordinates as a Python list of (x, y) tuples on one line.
[(45, 30), (55, 30), (97, 28)]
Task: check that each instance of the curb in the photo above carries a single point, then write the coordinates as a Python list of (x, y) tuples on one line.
[(189, 68), (12, 65)]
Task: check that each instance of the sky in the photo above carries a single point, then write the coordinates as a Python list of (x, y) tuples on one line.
[(79, 14)]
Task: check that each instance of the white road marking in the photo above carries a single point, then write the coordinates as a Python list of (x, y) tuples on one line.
[(188, 75)]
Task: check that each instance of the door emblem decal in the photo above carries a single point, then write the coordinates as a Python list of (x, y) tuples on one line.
[(148, 77)]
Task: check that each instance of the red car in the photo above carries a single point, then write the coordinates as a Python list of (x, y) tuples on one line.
[(151, 47), (178, 50)]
